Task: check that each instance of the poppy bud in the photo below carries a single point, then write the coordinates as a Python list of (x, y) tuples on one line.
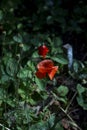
[(43, 50)]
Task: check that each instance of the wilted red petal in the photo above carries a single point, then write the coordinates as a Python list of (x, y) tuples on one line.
[(40, 75), (43, 50), (52, 72)]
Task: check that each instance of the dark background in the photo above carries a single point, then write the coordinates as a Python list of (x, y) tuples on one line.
[(64, 18)]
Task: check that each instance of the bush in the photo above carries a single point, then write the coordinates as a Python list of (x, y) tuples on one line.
[(27, 102)]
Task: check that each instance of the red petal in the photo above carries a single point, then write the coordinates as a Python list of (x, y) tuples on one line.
[(40, 75), (45, 66), (52, 72)]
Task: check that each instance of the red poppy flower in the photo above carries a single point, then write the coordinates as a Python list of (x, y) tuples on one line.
[(43, 50), (46, 67)]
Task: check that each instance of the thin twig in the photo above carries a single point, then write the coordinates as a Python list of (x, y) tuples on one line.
[(65, 112), (4, 127), (73, 122), (84, 57), (70, 102)]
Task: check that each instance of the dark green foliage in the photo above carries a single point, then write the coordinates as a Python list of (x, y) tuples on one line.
[(27, 102)]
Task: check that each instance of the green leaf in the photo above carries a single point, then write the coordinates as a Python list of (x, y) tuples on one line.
[(82, 96), (80, 89), (60, 60), (39, 126), (31, 66), (83, 76), (24, 73), (25, 47), (22, 93), (11, 67), (58, 41), (44, 125), (76, 66), (62, 99), (5, 78), (62, 90), (40, 83), (32, 102), (19, 26), (2, 93), (50, 121), (58, 127), (10, 102), (18, 38)]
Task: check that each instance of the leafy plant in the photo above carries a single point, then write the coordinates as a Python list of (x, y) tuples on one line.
[(29, 36), (81, 98)]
